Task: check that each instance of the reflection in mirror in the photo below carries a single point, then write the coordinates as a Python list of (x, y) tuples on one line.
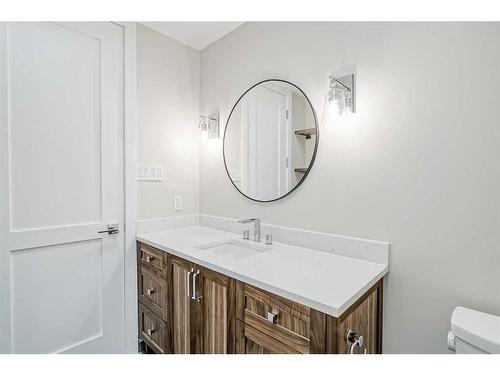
[(270, 140)]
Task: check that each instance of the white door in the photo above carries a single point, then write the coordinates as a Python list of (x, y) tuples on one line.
[(264, 143), (61, 182)]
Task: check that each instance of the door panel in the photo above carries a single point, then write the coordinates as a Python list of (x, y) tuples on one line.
[(61, 105), (55, 126), (57, 285)]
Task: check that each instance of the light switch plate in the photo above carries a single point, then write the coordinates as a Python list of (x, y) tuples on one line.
[(177, 202), (149, 173)]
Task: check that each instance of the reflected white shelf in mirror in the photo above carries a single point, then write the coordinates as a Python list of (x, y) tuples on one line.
[(306, 132)]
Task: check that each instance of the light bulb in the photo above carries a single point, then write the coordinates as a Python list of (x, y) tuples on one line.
[(337, 108), (204, 130), (332, 109), (204, 135)]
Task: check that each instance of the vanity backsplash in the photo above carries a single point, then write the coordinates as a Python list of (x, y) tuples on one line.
[(363, 249)]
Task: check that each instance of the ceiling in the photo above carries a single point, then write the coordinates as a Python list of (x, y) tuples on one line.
[(197, 35)]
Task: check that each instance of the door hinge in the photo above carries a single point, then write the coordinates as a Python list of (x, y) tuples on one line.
[(286, 114), (286, 162)]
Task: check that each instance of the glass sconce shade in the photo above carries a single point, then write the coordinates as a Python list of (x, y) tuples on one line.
[(209, 126), (341, 94)]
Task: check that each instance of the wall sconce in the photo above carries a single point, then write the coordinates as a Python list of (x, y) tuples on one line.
[(209, 126), (342, 95)]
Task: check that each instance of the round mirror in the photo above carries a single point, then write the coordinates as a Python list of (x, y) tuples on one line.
[(270, 140)]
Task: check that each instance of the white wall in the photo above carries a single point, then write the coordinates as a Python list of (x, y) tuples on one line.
[(168, 93), (418, 165)]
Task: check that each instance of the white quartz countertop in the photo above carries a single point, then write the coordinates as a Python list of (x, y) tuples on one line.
[(323, 281)]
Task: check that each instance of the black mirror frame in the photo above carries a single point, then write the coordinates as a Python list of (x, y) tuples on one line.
[(315, 146)]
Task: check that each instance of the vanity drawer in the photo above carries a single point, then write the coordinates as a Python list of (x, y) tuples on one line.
[(250, 340), (152, 258), (153, 291), (287, 321), (153, 330)]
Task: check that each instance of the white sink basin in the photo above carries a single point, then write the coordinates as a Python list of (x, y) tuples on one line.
[(236, 249)]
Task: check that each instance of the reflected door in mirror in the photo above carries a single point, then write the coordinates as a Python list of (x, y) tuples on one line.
[(270, 140), (264, 143)]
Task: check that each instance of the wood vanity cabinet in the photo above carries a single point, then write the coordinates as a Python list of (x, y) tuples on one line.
[(198, 310)]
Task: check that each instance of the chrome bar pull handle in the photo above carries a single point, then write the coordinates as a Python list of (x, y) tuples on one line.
[(150, 291), (196, 297), (193, 296), (190, 295), (151, 331), (149, 258)]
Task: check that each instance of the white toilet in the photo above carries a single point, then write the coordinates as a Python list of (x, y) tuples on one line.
[(474, 332)]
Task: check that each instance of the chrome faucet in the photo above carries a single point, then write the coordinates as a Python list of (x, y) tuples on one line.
[(256, 227)]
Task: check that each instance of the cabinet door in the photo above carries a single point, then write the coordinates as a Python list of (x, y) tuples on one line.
[(181, 310), (218, 313), (362, 320), (205, 324)]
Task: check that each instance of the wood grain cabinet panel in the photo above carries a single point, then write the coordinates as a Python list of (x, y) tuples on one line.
[(218, 313), (181, 308)]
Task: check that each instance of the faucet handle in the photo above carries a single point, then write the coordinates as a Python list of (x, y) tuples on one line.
[(246, 234), (269, 239)]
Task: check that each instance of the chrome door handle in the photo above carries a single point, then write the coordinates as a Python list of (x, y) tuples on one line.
[(195, 293), (151, 331), (112, 229), (190, 295), (149, 258), (150, 291)]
